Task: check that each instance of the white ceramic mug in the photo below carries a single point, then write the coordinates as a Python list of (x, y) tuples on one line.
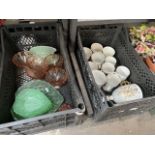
[(113, 80)]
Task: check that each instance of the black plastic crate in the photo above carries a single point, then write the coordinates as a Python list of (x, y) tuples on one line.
[(15, 38), (113, 35)]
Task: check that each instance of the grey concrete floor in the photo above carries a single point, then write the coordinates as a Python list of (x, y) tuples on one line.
[(132, 125)]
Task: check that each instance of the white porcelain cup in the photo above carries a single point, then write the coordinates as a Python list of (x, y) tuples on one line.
[(99, 77), (123, 71), (111, 59), (113, 80), (93, 65), (87, 52), (96, 47), (98, 58), (108, 68), (108, 51)]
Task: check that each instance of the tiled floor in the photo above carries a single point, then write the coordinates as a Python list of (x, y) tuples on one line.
[(135, 124)]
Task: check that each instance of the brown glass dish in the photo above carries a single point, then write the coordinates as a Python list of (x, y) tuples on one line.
[(56, 76), (36, 67), (54, 60), (20, 58), (34, 74)]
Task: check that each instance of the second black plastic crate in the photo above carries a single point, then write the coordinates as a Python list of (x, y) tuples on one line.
[(112, 35), (15, 38)]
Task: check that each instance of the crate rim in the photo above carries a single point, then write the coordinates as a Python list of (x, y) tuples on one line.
[(38, 118)]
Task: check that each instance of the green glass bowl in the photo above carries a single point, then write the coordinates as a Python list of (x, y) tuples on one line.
[(53, 94), (30, 103), (42, 51)]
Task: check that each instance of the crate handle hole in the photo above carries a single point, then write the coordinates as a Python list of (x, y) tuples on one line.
[(11, 30), (19, 29), (81, 106), (52, 27), (46, 28), (28, 28), (37, 28)]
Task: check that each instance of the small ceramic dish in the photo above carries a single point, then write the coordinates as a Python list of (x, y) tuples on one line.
[(127, 93), (93, 65), (113, 80), (99, 77), (96, 47), (123, 71), (98, 58), (108, 51), (87, 52), (108, 68), (111, 59)]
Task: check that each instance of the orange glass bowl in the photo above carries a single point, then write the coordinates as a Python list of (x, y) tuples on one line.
[(56, 76)]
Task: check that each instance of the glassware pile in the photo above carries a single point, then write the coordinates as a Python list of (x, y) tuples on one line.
[(109, 76), (44, 70)]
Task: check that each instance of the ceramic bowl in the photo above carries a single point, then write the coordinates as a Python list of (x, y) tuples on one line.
[(111, 59), (108, 67), (96, 47), (99, 77), (87, 52), (108, 51), (113, 80), (98, 58), (93, 65), (123, 71), (127, 93)]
